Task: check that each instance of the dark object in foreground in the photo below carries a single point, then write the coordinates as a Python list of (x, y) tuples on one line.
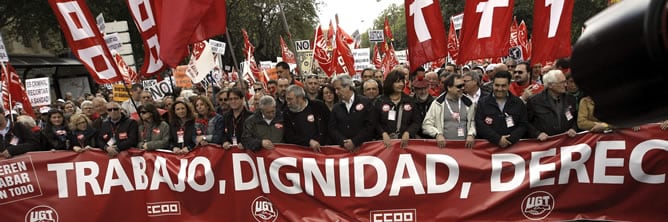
[(619, 61)]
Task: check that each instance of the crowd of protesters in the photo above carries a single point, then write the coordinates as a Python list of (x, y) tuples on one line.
[(501, 103)]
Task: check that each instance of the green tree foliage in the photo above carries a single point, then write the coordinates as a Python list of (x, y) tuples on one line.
[(264, 24), (397, 21)]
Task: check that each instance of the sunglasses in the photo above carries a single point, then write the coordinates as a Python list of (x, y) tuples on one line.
[(113, 109), (258, 89), (144, 111), (460, 86)]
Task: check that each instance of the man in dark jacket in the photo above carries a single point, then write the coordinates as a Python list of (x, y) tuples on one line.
[(351, 122), (15, 138), (501, 118), (264, 127), (552, 111), (305, 120), (118, 132)]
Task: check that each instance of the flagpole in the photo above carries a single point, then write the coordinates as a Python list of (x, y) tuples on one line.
[(287, 30), (234, 58)]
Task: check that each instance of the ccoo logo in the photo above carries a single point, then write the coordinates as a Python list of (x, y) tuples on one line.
[(42, 213), (537, 205), (263, 210)]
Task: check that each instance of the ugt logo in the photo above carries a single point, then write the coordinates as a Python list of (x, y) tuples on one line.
[(263, 210), (537, 205), (42, 213)]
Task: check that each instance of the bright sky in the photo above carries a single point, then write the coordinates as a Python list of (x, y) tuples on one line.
[(353, 14)]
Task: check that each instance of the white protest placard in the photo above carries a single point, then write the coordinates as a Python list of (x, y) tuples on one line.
[(159, 90), (265, 65), (303, 45), (113, 41), (217, 47), (376, 36), (402, 56), (305, 59), (149, 83), (39, 91), (362, 58), (201, 63), (3, 51), (458, 20), (100, 23)]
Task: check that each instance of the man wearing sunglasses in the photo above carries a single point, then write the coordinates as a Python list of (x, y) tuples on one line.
[(118, 132), (523, 86), (450, 115)]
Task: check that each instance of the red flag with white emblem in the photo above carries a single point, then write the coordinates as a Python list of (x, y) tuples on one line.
[(453, 41), (551, 30), (16, 89), (320, 52), (523, 37), (485, 29), (145, 15), (377, 61), (85, 40), (249, 50), (344, 61), (426, 33), (288, 56)]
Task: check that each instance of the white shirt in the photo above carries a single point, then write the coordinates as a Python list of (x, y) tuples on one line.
[(475, 96), (349, 103)]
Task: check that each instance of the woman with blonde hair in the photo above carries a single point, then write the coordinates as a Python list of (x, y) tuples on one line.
[(82, 135)]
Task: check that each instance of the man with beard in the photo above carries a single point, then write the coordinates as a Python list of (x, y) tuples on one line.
[(282, 85), (305, 119), (501, 118), (523, 86)]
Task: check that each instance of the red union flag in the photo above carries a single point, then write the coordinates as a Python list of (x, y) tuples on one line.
[(343, 59), (85, 39), (13, 86), (551, 30), (288, 56), (185, 22), (320, 52), (524, 40), (377, 61), (453, 41), (485, 29), (426, 34), (144, 14)]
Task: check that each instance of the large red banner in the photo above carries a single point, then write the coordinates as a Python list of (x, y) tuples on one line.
[(485, 29), (615, 176), (551, 30)]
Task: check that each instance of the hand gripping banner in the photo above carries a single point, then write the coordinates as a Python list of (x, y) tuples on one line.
[(615, 176)]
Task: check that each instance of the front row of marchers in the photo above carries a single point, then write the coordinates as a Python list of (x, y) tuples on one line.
[(497, 116)]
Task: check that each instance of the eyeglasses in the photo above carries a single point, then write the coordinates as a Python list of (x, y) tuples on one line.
[(222, 100), (113, 109), (460, 86), (258, 89)]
